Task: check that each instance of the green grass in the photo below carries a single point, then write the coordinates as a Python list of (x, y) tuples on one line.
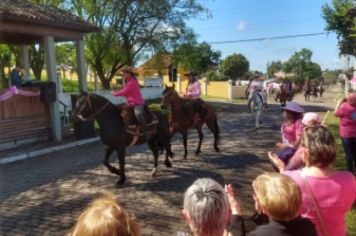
[(69, 86), (340, 164)]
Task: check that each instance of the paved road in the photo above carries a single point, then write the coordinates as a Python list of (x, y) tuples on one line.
[(45, 195)]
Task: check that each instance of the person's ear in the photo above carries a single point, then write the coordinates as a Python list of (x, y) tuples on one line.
[(305, 155), (185, 216)]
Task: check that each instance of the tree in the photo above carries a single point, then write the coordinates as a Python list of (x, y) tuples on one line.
[(131, 26), (330, 77), (302, 67), (66, 57), (274, 67), (234, 66), (5, 61), (340, 18), (196, 57)]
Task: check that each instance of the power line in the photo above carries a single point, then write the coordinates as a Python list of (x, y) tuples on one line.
[(267, 38)]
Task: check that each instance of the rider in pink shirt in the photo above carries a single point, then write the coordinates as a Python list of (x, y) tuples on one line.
[(193, 90), (132, 93), (193, 93)]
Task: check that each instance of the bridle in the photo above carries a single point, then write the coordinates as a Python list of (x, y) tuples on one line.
[(90, 117)]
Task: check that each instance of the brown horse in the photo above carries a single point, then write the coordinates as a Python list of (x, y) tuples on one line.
[(115, 134), (182, 118), (283, 96)]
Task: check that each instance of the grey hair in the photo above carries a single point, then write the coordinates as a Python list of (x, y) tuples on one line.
[(207, 206)]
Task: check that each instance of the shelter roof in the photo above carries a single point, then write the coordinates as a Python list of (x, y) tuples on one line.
[(28, 22)]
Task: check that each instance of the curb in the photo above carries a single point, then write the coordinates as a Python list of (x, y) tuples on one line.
[(46, 150)]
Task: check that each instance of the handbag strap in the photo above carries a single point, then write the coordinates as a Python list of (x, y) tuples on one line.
[(311, 195)]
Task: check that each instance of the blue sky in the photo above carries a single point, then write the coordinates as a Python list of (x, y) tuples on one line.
[(249, 19)]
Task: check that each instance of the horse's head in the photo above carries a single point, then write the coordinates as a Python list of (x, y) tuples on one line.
[(83, 106), (168, 95)]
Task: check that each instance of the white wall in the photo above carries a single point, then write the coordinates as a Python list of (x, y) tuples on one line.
[(147, 93)]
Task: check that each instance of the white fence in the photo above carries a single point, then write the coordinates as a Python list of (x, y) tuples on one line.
[(147, 93)]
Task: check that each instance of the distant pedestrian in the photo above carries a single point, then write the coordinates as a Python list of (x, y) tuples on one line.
[(16, 77), (346, 111)]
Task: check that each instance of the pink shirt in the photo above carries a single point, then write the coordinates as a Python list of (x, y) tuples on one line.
[(193, 90), (132, 93), (334, 194), (347, 115), (256, 85), (291, 131)]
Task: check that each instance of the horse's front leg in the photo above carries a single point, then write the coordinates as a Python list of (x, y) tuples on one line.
[(121, 156), (153, 146), (112, 169), (185, 138), (200, 133)]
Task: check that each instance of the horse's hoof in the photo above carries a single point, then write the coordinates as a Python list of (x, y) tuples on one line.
[(120, 182), (168, 164), (185, 157), (197, 153), (217, 149), (154, 173), (171, 155)]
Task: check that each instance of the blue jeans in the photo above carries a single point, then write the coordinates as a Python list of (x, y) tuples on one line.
[(350, 152)]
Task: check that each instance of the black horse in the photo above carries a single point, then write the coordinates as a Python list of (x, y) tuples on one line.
[(114, 135)]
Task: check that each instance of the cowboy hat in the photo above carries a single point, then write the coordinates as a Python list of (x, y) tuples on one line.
[(190, 73), (129, 69), (293, 106)]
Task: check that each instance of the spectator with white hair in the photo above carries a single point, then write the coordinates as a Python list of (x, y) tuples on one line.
[(206, 208)]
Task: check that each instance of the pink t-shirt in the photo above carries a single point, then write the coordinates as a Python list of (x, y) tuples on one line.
[(290, 131), (334, 194), (132, 93), (347, 115), (193, 90)]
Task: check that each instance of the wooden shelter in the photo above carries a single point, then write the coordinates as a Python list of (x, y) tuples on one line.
[(24, 23)]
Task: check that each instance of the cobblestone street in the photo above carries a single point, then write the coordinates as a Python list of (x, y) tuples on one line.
[(46, 194)]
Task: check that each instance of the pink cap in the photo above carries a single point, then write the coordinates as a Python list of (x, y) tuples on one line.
[(310, 116)]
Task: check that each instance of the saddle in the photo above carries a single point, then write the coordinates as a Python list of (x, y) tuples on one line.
[(196, 107), (133, 127)]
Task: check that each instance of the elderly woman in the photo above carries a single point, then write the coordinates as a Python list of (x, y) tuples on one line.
[(206, 208), (278, 197)]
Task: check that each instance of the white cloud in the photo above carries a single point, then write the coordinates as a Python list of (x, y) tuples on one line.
[(241, 26)]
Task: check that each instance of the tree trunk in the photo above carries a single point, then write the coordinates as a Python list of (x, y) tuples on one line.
[(37, 61), (105, 82)]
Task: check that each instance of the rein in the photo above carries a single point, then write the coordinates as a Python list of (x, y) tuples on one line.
[(89, 118)]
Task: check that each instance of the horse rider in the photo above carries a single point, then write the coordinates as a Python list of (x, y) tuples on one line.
[(287, 87), (193, 93), (131, 91), (256, 84)]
